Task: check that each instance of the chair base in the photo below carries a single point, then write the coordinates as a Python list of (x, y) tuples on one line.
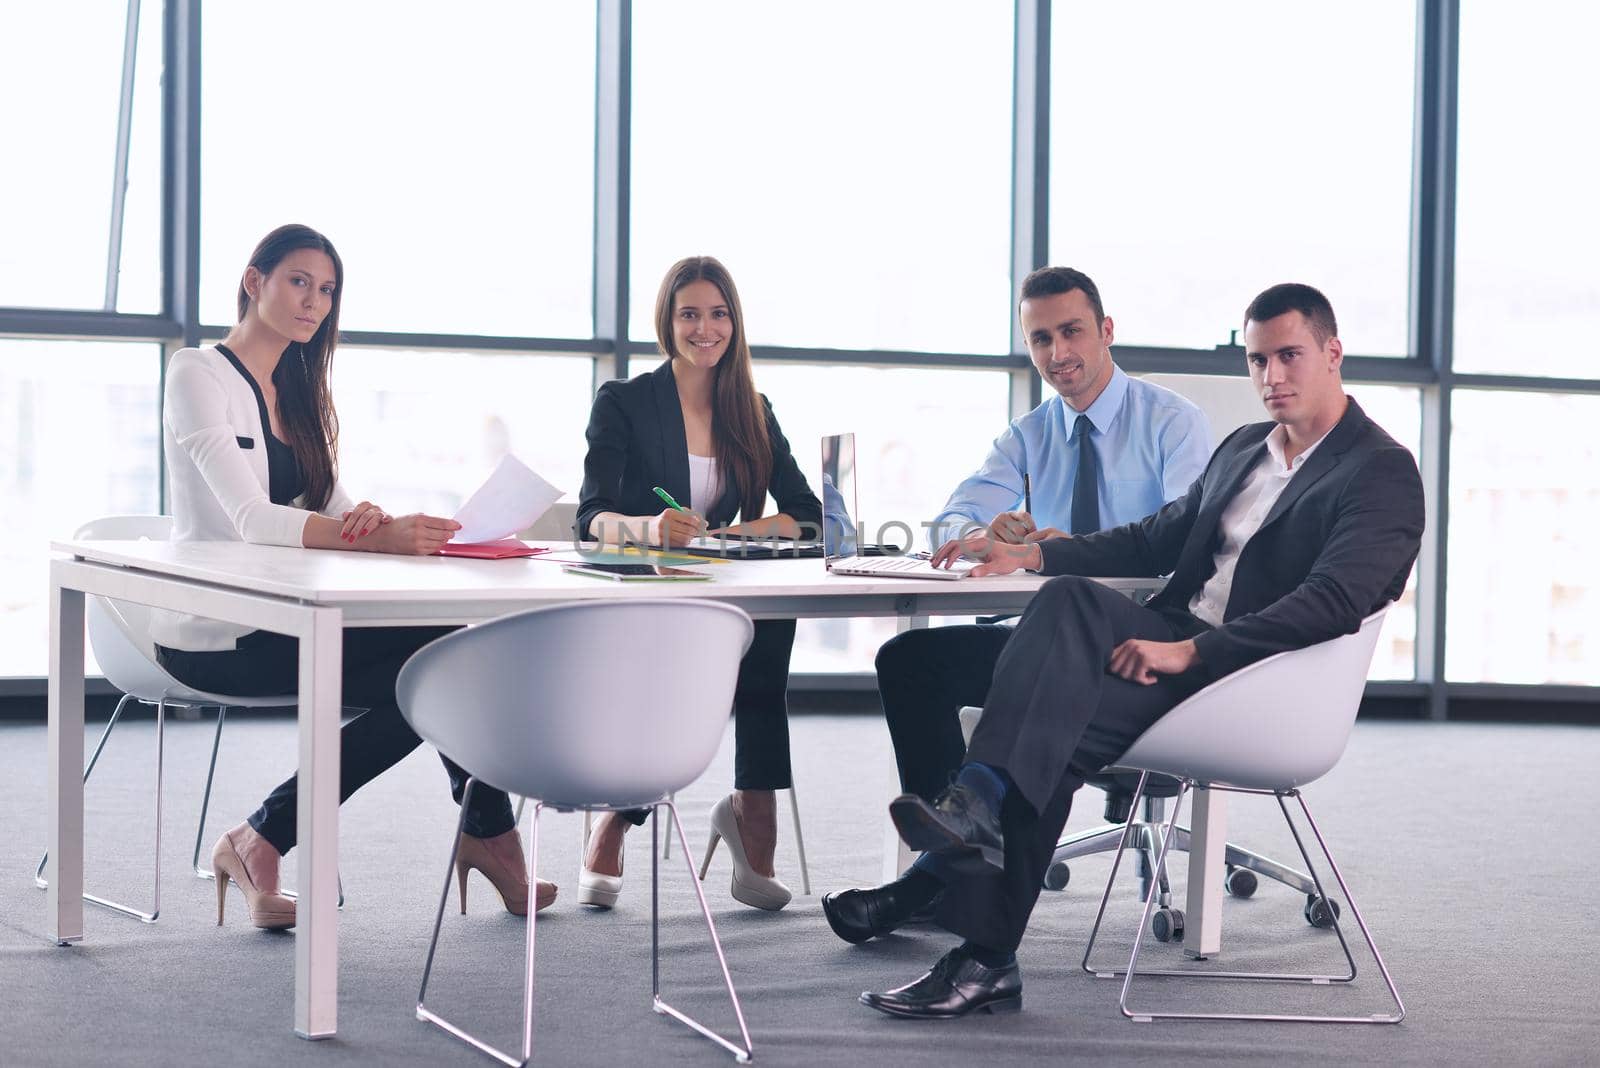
[(741, 1053), (1147, 838), (1169, 837)]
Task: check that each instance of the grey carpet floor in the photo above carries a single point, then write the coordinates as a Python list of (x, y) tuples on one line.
[(1467, 847)]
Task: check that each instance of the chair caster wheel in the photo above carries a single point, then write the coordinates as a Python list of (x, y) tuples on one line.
[(1167, 925), (1057, 876), (1320, 912), (1241, 882)]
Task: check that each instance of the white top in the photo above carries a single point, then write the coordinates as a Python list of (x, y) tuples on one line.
[(704, 486), (220, 486), (1242, 518)]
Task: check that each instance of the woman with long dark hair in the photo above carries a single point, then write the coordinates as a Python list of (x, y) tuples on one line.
[(251, 439), (697, 428)]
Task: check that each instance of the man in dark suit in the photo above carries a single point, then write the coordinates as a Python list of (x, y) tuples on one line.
[(1298, 529)]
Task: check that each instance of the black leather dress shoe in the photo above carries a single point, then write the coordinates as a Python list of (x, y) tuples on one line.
[(953, 987), (857, 915), (959, 821)]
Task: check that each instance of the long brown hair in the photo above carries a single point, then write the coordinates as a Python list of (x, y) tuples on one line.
[(738, 420), (304, 372)]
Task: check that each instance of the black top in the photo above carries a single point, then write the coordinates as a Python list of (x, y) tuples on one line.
[(637, 441), (285, 480)]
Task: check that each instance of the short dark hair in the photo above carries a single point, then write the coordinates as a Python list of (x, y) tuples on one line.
[(1286, 297), (1052, 281)]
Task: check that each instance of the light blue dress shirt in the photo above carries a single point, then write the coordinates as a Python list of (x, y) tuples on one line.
[(1151, 442)]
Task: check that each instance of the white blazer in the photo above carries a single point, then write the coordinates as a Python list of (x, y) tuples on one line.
[(219, 486)]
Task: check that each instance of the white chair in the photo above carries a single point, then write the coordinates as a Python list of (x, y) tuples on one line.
[(559, 523), (1144, 834), (1268, 728), (1227, 401), (534, 704), (119, 633)]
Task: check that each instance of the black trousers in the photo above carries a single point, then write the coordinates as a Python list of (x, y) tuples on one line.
[(1052, 716), (264, 664), (761, 709)]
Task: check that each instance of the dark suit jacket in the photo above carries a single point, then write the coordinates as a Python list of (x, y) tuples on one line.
[(1336, 546), (636, 442)]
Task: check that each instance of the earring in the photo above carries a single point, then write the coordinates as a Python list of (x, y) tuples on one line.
[(304, 367)]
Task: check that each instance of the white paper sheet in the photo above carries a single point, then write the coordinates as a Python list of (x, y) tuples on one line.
[(509, 500)]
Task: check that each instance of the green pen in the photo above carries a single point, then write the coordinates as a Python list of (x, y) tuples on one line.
[(664, 495)]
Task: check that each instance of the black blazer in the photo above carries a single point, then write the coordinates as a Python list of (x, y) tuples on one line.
[(636, 442), (1336, 546)]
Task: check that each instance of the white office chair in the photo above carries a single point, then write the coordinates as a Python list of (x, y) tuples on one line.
[(1227, 401), (535, 704), (119, 633), (1268, 728), (559, 523), (1144, 834)]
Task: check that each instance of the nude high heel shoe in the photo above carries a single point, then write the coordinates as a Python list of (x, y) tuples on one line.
[(269, 910), (509, 880), (747, 887)]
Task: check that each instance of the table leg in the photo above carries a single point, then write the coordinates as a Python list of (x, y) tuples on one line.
[(897, 856), (316, 948), (1208, 840), (65, 760)]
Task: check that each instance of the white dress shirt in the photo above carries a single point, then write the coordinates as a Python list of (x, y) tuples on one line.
[(1242, 518)]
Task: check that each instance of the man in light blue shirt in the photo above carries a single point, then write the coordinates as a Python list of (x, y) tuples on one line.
[(1145, 444)]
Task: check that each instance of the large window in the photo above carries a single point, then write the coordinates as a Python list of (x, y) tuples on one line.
[(1398, 409), (79, 440), (849, 162), (1527, 293), (1202, 152), (446, 155), (857, 167), (418, 431), (919, 431), (61, 81), (1524, 504)]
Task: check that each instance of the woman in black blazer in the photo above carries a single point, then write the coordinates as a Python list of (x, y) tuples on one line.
[(697, 428)]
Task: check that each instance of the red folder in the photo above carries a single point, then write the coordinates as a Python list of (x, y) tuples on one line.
[(491, 550)]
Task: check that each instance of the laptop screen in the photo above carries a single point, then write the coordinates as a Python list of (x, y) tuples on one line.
[(838, 496)]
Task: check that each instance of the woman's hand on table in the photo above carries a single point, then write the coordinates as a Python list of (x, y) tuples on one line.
[(362, 520), (410, 535)]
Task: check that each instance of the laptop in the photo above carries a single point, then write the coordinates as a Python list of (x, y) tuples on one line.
[(842, 549)]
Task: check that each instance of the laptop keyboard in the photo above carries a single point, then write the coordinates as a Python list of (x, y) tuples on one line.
[(899, 563)]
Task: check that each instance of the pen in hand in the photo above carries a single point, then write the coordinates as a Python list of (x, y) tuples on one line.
[(1027, 494), (678, 526)]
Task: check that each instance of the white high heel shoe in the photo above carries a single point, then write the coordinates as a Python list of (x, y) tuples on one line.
[(596, 889), (748, 888)]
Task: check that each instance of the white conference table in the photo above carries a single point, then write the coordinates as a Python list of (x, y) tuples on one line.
[(313, 596)]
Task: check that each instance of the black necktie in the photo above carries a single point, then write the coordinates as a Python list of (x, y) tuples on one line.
[(1086, 488)]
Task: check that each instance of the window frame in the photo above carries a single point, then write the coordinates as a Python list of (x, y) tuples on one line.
[(1427, 366)]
